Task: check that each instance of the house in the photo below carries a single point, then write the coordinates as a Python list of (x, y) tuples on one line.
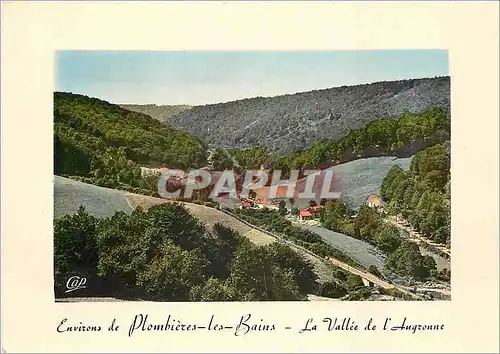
[(305, 214), (155, 171), (315, 210), (374, 202), (260, 203), (310, 212), (246, 204), (261, 200)]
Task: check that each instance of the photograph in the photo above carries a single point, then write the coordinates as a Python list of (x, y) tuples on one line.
[(231, 176)]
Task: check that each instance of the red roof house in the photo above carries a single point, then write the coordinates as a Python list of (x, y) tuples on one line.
[(373, 202), (310, 212), (246, 204), (305, 213), (315, 209)]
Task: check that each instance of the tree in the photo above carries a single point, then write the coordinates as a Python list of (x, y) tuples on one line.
[(221, 160), (335, 214), (340, 273), (173, 221), (354, 282), (367, 223), (282, 208), (213, 289), (387, 238), (75, 244), (443, 235), (394, 189), (251, 273), (123, 247), (444, 275), (428, 265), (129, 244), (284, 287), (394, 172), (171, 276), (360, 293), (332, 290), (408, 261), (220, 249), (286, 258), (254, 277)]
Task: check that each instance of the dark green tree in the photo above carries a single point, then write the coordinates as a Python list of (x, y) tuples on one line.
[(75, 245), (354, 282), (282, 208)]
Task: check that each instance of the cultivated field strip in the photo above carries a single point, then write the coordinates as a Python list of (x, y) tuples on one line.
[(100, 202)]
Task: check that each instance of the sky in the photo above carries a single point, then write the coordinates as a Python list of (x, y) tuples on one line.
[(195, 78)]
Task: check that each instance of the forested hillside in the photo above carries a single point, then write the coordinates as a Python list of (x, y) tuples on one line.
[(289, 123), (165, 254), (163, 113), (402, 137), (403, 257), (105, 143), (422, 194)]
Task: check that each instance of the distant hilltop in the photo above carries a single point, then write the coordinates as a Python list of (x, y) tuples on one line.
[(163, 113), (294, 122)]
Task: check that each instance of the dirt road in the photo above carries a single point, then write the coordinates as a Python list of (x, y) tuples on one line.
[(417, 236)]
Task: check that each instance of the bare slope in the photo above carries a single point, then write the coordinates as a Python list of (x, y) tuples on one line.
[(100, 202), (294, 122)]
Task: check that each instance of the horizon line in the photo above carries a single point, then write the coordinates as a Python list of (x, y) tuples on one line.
[(257, 97)]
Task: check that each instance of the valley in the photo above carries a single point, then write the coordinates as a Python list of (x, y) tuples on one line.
[(389, 143)]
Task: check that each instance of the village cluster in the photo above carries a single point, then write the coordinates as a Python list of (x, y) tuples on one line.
[(311, 212), (294, 208)]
